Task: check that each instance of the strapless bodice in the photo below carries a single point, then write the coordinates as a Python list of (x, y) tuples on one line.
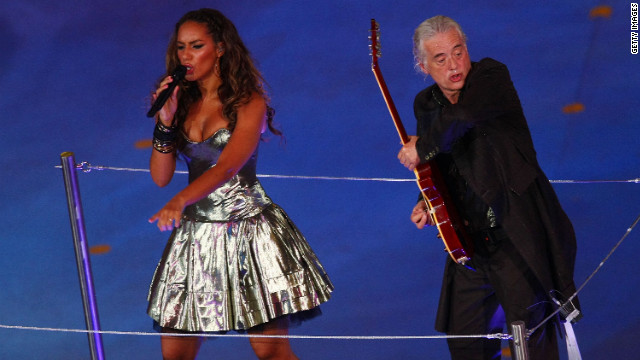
[(240, 197)]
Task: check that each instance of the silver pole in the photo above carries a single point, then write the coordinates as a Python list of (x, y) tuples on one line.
[(519, 340), (82, 255)]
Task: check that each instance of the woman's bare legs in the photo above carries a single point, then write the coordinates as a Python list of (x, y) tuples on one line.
[(186, 347), (179, 347), (272, 348)]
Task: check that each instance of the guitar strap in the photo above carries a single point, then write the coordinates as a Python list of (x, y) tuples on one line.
[(573, 352), (569, 314)]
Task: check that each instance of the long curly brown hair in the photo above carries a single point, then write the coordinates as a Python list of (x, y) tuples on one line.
[(240, 78)]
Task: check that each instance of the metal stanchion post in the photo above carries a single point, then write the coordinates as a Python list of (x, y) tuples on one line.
[(519, 340), (82, 255)]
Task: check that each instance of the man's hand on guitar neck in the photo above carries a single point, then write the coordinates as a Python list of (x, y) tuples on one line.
[(408, 155)]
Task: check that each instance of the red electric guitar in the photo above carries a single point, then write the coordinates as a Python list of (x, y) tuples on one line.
[(429, 179)]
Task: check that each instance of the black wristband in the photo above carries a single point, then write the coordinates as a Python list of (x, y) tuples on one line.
[(164, 133)]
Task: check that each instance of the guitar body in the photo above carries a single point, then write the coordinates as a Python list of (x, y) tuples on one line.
[(450, 230), (428, 177)]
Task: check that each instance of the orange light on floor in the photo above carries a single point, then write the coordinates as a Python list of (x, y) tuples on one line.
[(601, 11), (143, 144), (99, 249), (506, 351), (573, 108)]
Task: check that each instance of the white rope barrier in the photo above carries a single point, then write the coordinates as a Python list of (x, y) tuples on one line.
[(615, 247), (87, 168), (315, 337), (501, 336)]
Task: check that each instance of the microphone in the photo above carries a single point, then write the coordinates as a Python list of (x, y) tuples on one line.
[(178, 75)]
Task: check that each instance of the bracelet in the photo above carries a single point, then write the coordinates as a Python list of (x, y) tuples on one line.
[(164, 133), (164, 147), (167, 129)]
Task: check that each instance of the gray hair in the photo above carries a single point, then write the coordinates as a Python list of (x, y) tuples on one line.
[(429, 28)]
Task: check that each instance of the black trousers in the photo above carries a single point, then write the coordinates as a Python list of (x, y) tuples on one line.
[(500, 289)]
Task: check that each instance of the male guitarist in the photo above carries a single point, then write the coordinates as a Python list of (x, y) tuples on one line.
[(472, 124)]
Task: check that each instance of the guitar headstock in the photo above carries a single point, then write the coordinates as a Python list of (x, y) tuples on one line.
[(374, 47)]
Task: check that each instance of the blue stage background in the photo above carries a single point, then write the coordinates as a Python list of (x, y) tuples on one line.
[(76, 77)]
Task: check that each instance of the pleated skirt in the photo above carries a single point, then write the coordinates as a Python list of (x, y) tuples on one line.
[(221, 276)]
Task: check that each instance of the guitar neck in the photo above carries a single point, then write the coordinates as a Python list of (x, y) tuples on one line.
[(390, 105), (375, 53), (431, 186)]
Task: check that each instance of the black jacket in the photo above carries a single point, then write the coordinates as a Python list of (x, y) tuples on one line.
[(488, 138)]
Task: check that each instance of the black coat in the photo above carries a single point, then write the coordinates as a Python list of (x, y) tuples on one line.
[(488, 138)]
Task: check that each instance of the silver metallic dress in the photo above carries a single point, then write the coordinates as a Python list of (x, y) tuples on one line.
[(237, 260)]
